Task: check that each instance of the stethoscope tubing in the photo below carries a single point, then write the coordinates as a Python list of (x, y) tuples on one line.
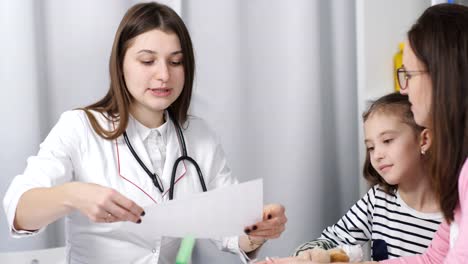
[(154, 177), (174, 169)]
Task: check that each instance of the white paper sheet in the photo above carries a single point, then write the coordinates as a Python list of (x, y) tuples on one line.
[(222, 212)]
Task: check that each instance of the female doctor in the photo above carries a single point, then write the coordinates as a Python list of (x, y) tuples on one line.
[(101, 164)]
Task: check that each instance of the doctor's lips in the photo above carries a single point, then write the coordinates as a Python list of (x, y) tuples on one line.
[(160, 91)]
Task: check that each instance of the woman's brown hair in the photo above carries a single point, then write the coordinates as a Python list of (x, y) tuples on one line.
[(439, 39), (392, 104), (139, 19)]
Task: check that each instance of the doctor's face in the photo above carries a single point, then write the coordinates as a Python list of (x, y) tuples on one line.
[(419, 88), (153, 71)]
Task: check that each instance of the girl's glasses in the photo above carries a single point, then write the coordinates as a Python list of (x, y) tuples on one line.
[(404, 75)]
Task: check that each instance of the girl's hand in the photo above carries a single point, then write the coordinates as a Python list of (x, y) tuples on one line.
[(273, 224), (101, 204)]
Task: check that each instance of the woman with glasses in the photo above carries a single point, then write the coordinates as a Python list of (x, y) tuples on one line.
[(435, 78)]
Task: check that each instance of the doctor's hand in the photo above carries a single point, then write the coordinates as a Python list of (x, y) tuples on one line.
[(101, 204), (272, 225)]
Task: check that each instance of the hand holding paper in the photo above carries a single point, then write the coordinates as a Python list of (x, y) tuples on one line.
[(273, 224), (222, 212)]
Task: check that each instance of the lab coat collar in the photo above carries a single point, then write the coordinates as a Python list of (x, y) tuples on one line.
[(144, 131), (132, 172)]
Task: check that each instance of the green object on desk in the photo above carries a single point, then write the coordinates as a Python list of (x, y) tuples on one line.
[(185, 250)]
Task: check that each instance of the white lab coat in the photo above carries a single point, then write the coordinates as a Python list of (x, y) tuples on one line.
[(74, 152)]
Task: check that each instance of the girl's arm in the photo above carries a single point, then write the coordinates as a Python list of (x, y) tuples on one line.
[(354, 228), (317, 243)]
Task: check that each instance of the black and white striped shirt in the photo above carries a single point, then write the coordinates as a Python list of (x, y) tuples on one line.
[(379, 215)]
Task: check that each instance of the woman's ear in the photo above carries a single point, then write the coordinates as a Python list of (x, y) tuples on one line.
[(425, 140)]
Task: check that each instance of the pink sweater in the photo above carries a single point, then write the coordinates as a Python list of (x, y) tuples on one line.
[(440, 250)]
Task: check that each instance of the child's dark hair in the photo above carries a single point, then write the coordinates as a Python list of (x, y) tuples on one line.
[(395, 104)]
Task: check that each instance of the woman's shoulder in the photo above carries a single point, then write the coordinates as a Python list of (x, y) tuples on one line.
[(102, 118), (198, 125), (196, 120), (79, 119), (200, 129), (80, 113), (72, 118)]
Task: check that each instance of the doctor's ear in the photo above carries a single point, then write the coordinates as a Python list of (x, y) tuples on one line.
[(425, 141)]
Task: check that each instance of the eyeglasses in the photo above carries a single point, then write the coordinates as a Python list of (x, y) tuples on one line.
[(404, 75)]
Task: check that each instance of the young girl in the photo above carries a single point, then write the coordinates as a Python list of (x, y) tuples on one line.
[(102, 164), (400, 213)]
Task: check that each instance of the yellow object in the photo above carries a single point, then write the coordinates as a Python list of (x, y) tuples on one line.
[(397, 63)]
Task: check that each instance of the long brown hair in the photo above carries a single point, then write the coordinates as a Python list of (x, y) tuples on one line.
[(393, 104), (439, 39), (139, 19)]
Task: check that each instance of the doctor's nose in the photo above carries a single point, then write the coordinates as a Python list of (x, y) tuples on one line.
[(161, 72)]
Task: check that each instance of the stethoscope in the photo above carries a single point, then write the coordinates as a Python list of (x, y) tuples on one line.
[(154, 177)]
